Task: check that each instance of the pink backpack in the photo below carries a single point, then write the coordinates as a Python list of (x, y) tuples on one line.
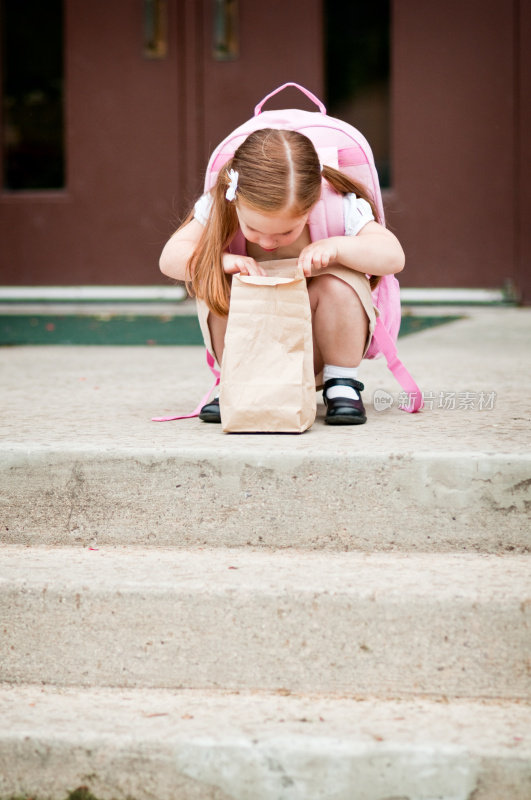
[(338, 145)]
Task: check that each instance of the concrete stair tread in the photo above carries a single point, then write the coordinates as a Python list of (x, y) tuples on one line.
[(441, 624), (258, 746)]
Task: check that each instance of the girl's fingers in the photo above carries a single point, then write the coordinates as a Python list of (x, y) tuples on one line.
[(253, 268), (305, 264), (314, 262), (233, 265), (317, 256), (248, 266)]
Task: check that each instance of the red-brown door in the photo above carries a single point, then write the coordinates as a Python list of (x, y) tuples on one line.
[(460, 199), (139, 127), (140, 121)]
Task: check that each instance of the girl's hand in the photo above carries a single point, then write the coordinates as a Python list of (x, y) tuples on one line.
[(318, 255), (244, 265)]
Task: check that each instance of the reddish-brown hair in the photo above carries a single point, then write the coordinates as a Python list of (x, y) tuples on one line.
[(278, 171)]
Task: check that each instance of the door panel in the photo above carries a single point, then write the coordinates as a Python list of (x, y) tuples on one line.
[(453, 134), (109, 223)]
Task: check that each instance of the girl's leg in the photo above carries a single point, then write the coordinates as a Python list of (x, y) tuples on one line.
[(217, 327), (340, 323), (340, 328)]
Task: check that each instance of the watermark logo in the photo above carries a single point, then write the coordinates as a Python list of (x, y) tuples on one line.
[(382, 400), (445, 400)]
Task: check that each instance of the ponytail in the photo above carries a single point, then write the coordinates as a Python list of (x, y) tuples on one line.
[(345, 185), (207, 280)]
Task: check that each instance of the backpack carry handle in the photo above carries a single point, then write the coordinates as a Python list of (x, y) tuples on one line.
[(313, 98)]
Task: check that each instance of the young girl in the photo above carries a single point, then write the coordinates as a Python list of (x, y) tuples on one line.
[(267, 191)]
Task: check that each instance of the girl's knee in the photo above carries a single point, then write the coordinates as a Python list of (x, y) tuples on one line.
[(332, 289)]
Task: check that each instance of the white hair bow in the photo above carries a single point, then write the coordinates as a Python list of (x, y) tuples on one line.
[(230, 194)]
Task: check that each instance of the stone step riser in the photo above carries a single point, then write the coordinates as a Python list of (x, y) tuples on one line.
[(192, 746), (423, 502), (345, 623)]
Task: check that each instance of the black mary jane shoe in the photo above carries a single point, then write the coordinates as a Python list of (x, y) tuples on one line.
[(210, 412), (344, 410)]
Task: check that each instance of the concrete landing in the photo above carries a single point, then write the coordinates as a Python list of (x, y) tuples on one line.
[(82, 463)]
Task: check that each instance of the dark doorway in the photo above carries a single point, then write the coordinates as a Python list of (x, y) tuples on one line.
[(357, 67)]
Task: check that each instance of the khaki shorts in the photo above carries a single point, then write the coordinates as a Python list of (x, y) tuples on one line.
[(359, 283)]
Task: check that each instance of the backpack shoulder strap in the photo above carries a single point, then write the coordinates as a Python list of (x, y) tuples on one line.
[(387, 346), (327, 217)]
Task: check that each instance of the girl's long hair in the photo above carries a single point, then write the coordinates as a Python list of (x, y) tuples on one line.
[(278, 171)]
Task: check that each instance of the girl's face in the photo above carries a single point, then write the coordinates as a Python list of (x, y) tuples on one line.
[(270, 231)]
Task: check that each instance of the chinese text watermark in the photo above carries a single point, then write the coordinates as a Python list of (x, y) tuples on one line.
[(447, 400)]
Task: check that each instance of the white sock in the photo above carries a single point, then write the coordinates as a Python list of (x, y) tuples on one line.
[(331, 371)]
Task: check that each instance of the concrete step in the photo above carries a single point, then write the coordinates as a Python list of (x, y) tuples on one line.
[(444, 625), (265, 493), (82, 463), (255, 746)]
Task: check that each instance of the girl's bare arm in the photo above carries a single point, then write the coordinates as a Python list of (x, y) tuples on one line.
[(373, 251), (179, 249)]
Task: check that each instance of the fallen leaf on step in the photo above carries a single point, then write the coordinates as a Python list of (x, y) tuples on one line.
[(159, 714)]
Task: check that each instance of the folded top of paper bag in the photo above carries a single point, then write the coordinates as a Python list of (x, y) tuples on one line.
[(284, 270)]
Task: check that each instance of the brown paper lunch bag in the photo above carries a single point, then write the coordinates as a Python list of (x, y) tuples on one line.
[(267, 377)]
